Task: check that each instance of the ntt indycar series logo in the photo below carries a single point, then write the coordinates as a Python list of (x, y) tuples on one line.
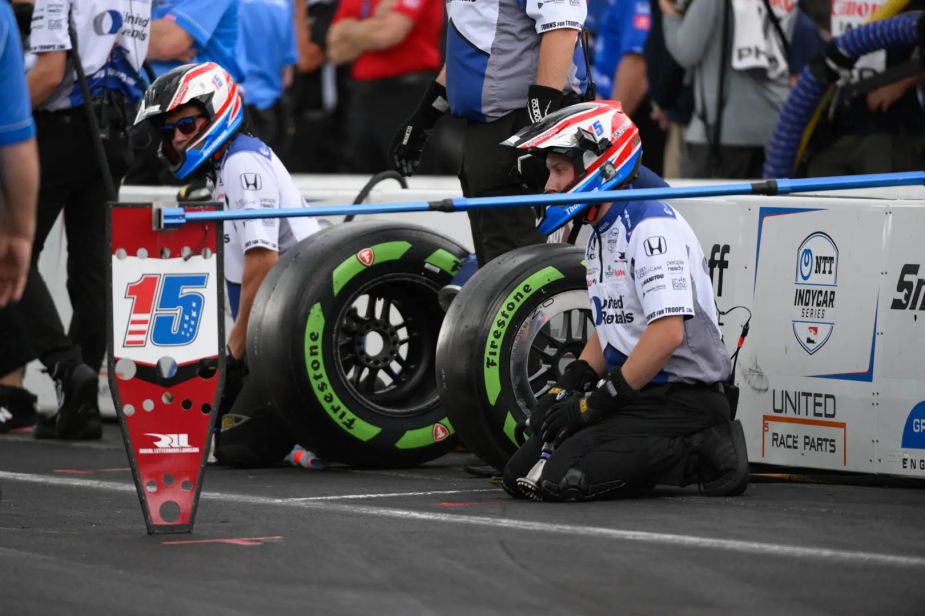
[(815, 284)]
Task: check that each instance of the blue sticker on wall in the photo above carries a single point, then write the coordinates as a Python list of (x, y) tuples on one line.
[(914, 432)]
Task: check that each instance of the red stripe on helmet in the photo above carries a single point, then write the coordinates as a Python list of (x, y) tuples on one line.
[(187, 79)]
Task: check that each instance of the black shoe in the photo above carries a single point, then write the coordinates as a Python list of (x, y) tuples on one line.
[(723, 460), (17, 408), (78, 414), (479, 468), (46, 427)]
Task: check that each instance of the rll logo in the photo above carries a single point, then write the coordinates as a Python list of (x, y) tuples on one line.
[(815, 284)]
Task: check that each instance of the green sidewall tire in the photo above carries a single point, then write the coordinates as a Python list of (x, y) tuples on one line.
[(474, 351), (306, 345)]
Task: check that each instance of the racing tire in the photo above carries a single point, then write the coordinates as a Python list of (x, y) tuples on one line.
[(507, 338), (343, 337)]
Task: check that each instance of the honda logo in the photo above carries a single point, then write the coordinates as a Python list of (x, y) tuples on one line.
[(251, 181), (655, 245)]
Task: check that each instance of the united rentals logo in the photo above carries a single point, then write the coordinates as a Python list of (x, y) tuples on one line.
[(815, 282)]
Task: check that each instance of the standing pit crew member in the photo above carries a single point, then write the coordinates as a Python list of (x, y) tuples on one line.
[(660, 416), (508, 64), (112, 40), (198, 111)]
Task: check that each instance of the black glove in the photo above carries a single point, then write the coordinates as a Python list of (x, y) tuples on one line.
[(541, 101), (577, 378), (568, 416), (411, 138)]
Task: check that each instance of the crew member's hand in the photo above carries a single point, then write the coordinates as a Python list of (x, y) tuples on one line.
[(577, 378), (237, 341), (575, 412), (15, 253), (566, 417), (409, 142), (541, 101), (883, 97)]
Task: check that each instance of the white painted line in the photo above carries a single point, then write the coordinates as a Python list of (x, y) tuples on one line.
[(728, 545), (387, 495)]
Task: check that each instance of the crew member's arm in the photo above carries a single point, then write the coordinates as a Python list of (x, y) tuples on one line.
[(349, 37), (46, 75), (630, 82), (658, 341), (257, 264), (593, 354), (170, 41), (556, 49), (557, 25)]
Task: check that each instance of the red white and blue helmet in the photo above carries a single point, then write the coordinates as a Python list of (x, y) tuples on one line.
[(600, 140), (209, 87)]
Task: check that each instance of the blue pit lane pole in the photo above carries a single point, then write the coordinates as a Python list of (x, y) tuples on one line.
[(171, 218)]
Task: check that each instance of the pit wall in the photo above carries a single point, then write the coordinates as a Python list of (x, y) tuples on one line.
[(832, 373)]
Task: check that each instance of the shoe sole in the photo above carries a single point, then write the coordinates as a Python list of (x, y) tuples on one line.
[(732, 483)]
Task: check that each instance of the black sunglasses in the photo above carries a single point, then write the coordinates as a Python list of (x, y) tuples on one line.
[(186, 125)]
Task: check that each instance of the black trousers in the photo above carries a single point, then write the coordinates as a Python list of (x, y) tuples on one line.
[(640, 445), (15, 348), (378, 108), (72, 183), (489, 170), (270, 125)]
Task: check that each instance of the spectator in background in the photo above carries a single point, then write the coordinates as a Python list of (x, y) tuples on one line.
[(619, 71), (19, 184), (266, 37), (111, 53), (182, 32), (394, 48), (735, 110), (672, 99), (185, 31), (879, 131)]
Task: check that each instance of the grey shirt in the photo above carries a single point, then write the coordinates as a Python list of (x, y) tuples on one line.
[(752, 102)]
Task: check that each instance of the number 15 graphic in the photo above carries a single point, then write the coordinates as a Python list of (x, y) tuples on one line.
[(166, 306)]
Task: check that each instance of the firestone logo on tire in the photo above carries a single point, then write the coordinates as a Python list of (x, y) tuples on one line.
[(366, 256), (815, 284), (440, 432)]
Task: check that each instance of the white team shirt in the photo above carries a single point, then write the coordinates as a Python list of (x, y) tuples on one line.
[(112, 40), (644, 263), (251, 177)]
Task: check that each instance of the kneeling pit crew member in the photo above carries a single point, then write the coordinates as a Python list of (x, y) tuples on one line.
[(660, 415), (198, 111)]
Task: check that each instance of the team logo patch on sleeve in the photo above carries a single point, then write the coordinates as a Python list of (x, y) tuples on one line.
[(251, 181), (655, 245)]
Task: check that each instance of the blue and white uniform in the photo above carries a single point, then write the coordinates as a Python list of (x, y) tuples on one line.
[(644, 263), (251, 177), (266, 37), (16, 124), (492, 52), (213, 24), (623, 29), (113, 37)]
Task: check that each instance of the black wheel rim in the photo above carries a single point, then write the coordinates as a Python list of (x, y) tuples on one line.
[(551, 338), (385, 341)]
